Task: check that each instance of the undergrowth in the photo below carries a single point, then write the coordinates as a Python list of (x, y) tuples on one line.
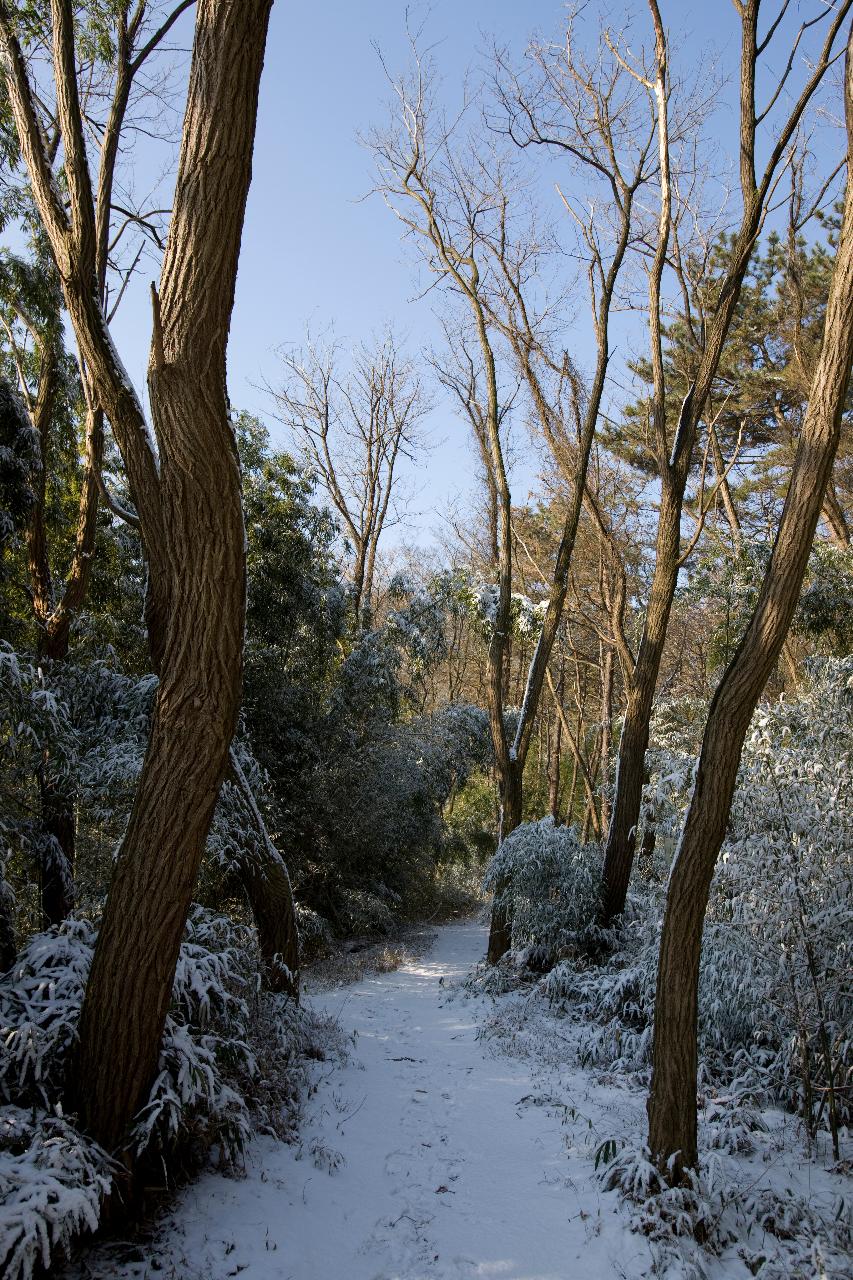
[(232, 1063)]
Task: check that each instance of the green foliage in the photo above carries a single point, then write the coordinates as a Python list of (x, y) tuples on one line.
[(356, 781), (764, 376), (825, 612), (725, 590)]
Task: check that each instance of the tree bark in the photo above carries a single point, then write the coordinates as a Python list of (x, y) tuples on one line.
[(201, 558), (672, 1098), (634, 740), (606, 730), (833, 514), (554, 762), (270, 896)]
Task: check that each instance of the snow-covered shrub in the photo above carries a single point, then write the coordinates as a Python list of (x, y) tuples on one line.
[(52, 1180), (777, 1232), (229, 1063), (615, 1000), (315, 936), (81, 729), (775, 1000), (205, 1060), (789, 1236), (235, 837), (111, 713), (785, 883), (40, 999), (549, 883), (51, 1177), (36, 734), (666, 1213)]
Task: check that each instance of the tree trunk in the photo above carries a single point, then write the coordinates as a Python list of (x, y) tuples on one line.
[(634, 741), (554, 767), (725, 492), (500, 931), (606, 730), (672, 1098), (201, 556), (674, 467), (270, 896), (833, 514), (647, 846), (271, 900)]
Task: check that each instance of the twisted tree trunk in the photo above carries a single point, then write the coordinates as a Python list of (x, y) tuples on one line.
[(191, 516)]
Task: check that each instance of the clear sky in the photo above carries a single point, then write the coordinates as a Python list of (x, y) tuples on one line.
[(314, 250)]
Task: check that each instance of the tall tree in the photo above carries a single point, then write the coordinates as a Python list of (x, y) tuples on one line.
[(674, 448), (186, 489), (461, 209), (672, 1098), (32, 323)]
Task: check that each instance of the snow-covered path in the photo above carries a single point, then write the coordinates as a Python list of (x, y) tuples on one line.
[(452, 1161), (432, 1153), (449, 1171)]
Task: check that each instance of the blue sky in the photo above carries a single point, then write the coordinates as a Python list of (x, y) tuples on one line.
[(315, 250)]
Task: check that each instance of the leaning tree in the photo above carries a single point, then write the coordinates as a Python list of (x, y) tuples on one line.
[(672, 1099), (185, 482)]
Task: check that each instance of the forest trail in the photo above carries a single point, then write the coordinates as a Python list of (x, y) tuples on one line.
[(427, 1156)]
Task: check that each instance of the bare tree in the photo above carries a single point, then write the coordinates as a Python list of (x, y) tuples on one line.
[(186, 489), (354, 431), (672, 1099), (458, 204), (460, 373)]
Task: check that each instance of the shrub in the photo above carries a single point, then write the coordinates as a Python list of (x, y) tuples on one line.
[(775, 1002), (549, 883), (229, 1064)]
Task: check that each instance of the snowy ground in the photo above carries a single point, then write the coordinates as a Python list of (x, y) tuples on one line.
[(429, 1155)]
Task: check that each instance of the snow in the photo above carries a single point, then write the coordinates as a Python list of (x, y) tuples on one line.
[(434, 1152)]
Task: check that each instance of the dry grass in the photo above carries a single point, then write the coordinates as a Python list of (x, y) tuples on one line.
[(353, 960)]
